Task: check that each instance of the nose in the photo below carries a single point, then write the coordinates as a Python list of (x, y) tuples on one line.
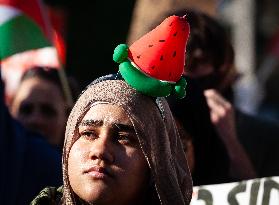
[(102, 148), (35, 121)]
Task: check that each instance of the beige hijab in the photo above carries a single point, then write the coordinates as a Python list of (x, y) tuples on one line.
[(156, 132)]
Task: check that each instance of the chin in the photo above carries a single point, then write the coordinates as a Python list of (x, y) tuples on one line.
[(99, 193)]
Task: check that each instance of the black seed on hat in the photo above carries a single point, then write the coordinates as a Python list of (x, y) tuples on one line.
[(150, 45), (161, 40), (138, 56), (174, 54), (175, 33), (170, 24), (162, 58), (153, 67)]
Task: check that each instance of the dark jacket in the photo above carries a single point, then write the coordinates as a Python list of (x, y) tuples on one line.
[(260, 138)]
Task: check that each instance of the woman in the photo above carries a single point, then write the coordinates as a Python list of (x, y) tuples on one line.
[(40, 103), (121, 147), (24, 159)]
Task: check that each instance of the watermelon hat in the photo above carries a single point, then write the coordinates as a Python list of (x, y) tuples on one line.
[(153, 65)]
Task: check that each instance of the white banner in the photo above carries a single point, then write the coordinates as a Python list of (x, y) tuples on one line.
[(264, 191)]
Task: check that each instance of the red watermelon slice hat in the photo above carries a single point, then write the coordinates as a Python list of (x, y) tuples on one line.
[(154, 64)]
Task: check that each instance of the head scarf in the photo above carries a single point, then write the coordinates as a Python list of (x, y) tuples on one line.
[(155, 130)]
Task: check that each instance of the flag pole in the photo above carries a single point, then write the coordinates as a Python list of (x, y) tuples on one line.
[(65, 84), (61, 72)]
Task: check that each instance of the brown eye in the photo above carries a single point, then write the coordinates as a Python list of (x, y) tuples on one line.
[(89, 134), (126, 139), (26, 109), (123, 138), (48, 111)]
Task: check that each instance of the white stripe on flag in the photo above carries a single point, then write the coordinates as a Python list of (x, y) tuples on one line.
[(7, 12)]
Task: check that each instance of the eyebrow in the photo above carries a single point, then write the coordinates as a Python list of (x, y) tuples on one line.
[(124, 127), (97, 123), (91, 123)]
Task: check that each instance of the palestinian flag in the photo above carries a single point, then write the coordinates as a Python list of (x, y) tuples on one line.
[(22, 27)]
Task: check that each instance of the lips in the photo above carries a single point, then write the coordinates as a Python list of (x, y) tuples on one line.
[(98, 172)]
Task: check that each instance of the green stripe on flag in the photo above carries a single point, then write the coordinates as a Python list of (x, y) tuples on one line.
[(20, 34)]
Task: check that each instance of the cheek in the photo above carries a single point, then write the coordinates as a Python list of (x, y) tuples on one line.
[(77, 157), (140, 161), (60, 114), (77, 154), (136, 178), (136, 164), (61, 120), (58, 121)]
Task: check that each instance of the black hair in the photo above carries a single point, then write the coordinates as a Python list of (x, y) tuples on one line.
[(51, 74), (208, 36)]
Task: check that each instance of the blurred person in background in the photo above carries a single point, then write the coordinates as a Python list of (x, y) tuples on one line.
[(208, 47), (268, 75), (211, 65), (206, 153), (40, 103), (28, 162)]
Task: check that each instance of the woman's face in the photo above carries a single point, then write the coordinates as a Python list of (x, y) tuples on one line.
[(106, 164), (40, 106)]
